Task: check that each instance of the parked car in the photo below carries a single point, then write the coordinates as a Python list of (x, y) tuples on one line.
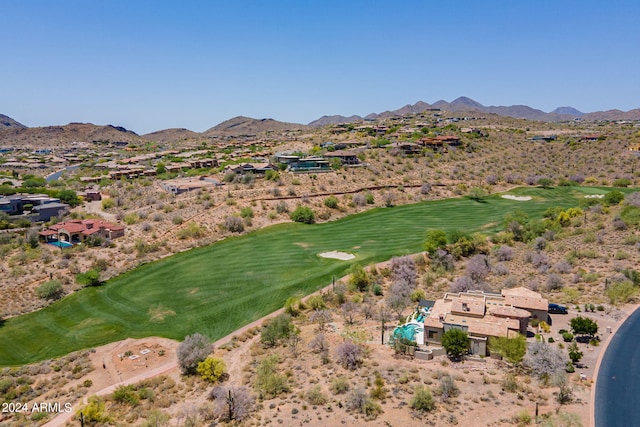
[(557, 308)]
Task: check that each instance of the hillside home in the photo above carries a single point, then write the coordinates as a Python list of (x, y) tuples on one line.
[(483, 315), (35, 207), (310, 165), (345, 157), (77, 231), (406, 148), (254, 168)]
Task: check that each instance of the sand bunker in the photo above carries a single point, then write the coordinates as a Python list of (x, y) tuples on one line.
[(343, 256), (594, 196), (517, 198)]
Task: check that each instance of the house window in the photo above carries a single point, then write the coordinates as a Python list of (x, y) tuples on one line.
[(433, 335)]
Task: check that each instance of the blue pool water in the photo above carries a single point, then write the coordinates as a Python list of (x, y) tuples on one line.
[(61, 244)]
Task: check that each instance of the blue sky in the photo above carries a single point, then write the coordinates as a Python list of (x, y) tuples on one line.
[(151, 65)]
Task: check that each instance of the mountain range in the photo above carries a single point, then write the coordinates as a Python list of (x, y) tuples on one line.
[(464, 104), (13, 132)]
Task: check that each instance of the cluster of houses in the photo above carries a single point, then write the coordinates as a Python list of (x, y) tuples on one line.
[(481, 314), (35, 207)]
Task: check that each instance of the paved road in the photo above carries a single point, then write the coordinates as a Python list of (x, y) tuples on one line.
[(617, 400)]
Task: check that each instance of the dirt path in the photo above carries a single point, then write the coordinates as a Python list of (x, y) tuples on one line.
[(114, 375), (95, 207)]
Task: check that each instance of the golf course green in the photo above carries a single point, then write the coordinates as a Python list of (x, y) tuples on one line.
[(214, 290)]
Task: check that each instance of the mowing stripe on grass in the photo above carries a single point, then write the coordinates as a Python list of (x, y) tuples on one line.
[(216, 289)]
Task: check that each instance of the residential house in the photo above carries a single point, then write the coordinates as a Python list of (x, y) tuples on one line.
[(77, 231), (407, 148), (483, 315), (345, 157), (254, 168), (36, 207), (310, 165)]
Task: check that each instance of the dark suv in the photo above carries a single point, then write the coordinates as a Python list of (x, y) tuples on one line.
[(556, 308)]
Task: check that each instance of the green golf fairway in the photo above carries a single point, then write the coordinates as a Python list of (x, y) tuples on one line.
[(215, 290)]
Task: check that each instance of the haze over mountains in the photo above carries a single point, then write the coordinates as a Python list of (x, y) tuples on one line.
[(14, 132)]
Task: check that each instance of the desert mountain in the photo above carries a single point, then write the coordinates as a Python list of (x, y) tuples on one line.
[(464, 104), (53, 135), (7, 122), (248, 126), (172, 135), (568, 110), (334, 120), (613, 115)]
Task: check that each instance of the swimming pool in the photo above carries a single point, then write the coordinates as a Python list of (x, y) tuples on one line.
[(61, 244)]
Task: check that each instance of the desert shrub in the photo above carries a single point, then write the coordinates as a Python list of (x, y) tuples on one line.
[(447, 387), (271, 175), (359, 277), (191, 231), (505, 253), (510, 383), (107, 204), (377, 290), (193, 350), (94, 411), (501, 269), (232, 403), (403, 269), (319, 343), (246, 212), (465, 283), (349, 310), (422, 400), (212, 369), (369, 198), (633, 199), (359, 401), (511, 349), (399, 297), (234, 224), (435, 239), (539, 243), (455, 342), (622, 182), (554, 282), (90, 277), (292, 306), (630, 214), (621, 293), (315, 396), (562, 267), (443, 260), (478, 267), (126, 394), (316, 302), (567, 336), (359, 200), (303, 214), (349, 355), (613, 198), (544, 360), (339, 385), (268, 381), (280, 327), (50, 290), (281, 207), (417, 295), (331, 202)]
